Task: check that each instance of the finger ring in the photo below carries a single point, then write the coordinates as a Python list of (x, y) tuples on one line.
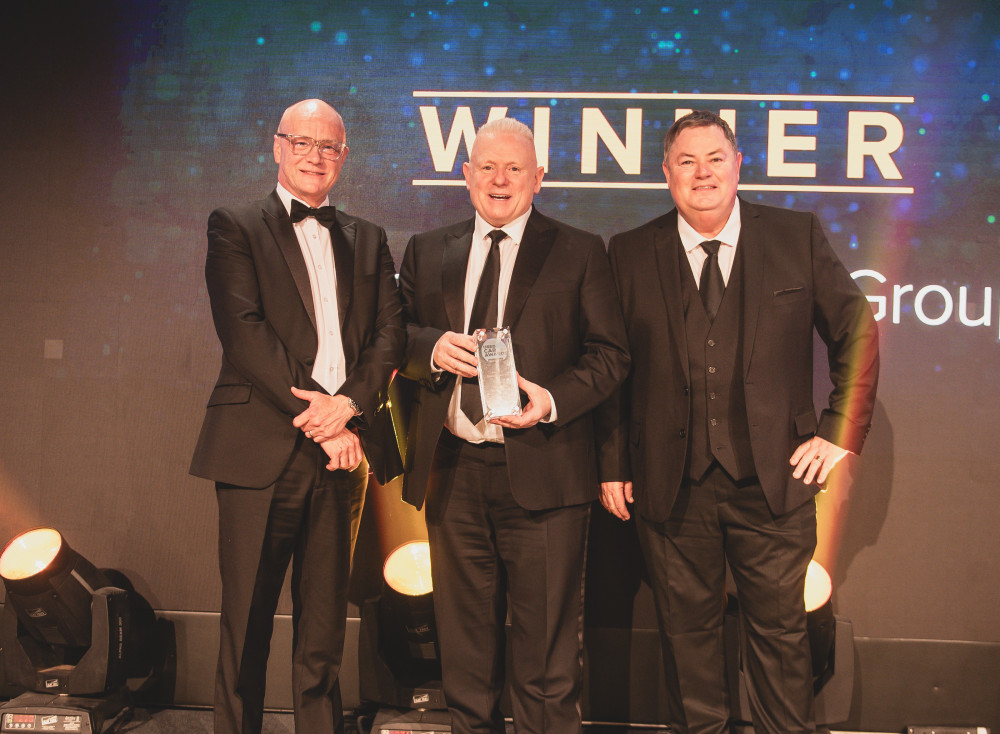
[(816, 457), (309, 434)]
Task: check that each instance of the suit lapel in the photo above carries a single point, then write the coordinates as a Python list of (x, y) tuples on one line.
[(539, 235), (667, 247), (280, 225), (342, 238), (752, 244), (455, 261)]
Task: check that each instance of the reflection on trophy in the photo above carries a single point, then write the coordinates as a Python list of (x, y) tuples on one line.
[(497, 374)]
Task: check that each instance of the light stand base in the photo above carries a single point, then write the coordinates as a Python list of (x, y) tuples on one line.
[(35, 712)]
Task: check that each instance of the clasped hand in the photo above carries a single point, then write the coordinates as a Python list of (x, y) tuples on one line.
[(343, 450), (325, 422), (326, 416)]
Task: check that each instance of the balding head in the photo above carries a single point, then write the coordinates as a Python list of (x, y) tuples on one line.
[(305, 110), (309, 176)]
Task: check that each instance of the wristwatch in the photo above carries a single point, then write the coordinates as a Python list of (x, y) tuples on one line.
[(354, 406)]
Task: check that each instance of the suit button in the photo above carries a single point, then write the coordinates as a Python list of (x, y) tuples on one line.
[(711, 342), (686, 390), (711, 370), (714, 422), (684, 433)]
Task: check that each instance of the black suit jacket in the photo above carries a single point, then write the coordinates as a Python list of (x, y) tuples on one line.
[(567, 336), (263, 310), (793, 283)]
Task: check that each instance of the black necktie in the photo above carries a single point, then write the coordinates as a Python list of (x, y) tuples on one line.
[(712, 286), (325, 215), (484, 316)]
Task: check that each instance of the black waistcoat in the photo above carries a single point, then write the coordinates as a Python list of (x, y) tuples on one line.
[(719, 427)]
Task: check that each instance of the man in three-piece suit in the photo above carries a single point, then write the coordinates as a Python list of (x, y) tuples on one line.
[(306, 308), (508, 500), (714, 436)]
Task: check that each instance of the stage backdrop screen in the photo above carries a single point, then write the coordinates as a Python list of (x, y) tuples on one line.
[(128, 122)]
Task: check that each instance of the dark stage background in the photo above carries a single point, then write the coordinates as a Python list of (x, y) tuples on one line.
[(126, 123)]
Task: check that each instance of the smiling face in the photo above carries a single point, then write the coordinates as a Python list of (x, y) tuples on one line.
[(311, 176), (502, 176), (703, 173)]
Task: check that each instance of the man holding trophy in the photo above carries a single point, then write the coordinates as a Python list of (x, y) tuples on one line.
[(508, 488)]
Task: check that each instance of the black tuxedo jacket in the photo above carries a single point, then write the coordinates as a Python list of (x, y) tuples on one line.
[(793, 283), (263, 310), (567, 336)]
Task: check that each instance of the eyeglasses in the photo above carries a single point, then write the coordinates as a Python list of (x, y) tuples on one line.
[(303, 145)]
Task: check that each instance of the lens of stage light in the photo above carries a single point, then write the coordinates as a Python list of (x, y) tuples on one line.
[(29, 553), (819, 587), (407, 570)]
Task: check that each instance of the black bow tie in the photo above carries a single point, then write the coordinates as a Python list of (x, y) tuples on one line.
[(325, 215)]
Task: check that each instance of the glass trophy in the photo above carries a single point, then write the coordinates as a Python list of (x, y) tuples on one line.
[(497, 375)]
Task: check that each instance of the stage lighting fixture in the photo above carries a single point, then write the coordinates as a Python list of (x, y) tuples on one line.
[(407, 570), (821, 625), (406, 619), (400, 667), (63, 632), (819, 587)]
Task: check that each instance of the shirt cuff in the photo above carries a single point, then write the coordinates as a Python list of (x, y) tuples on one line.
[(553, 415)]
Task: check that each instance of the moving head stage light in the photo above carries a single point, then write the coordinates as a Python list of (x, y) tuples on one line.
[(63, 630), (399, 664), (398, 654)]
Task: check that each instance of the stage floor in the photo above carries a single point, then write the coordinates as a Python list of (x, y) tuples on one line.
[(193, 721), (199, 721)]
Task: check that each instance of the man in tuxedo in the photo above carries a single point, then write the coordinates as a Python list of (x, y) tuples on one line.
[(306, 308), (508, 500), (714, 436)]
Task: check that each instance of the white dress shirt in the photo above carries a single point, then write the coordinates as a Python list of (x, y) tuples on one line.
[(729, 237), (457, 421), (330, 369)]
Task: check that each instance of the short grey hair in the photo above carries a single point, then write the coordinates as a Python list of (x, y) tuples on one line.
[(506, 125)]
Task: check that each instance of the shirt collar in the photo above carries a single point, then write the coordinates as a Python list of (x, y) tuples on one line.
[(729, 235), (286, 197), (514, 228)]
